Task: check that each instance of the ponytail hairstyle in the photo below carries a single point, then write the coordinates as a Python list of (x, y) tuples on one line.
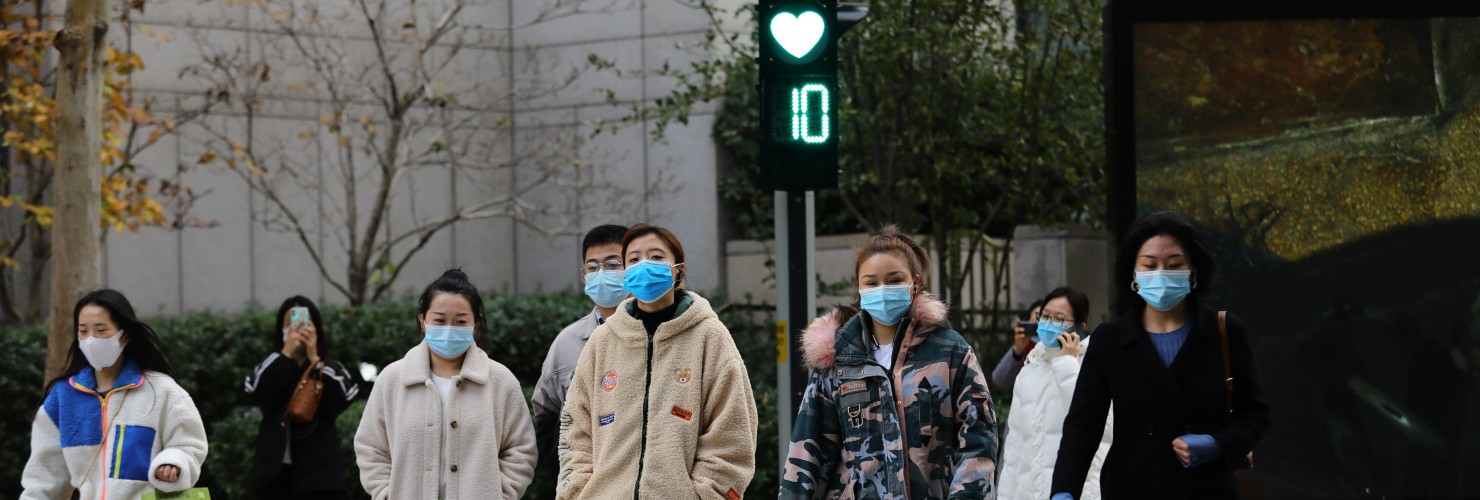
[(889, 240), (455, 282), (143, 347)]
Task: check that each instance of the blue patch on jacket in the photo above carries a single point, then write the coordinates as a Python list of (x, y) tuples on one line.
[(132, 447), (78, 413)]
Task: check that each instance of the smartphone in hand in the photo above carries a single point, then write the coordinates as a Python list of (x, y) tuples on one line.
[(298, 316)]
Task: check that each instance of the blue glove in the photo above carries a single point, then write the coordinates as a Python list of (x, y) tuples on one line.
[(1202, 448), (1062, 496)]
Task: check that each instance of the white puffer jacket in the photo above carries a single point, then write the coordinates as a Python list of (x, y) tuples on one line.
[(1040, 400)]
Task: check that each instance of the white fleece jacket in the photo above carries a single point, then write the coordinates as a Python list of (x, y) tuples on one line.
[(491, 442), (146, 421)]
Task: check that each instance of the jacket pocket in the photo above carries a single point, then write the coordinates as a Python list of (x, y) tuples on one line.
[(132, 450), (861, 418)]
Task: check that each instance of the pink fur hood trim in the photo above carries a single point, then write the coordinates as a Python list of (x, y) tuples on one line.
[(819, 340)]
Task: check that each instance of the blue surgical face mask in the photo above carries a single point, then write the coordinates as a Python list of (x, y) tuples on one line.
[(1048, 332), (605, 287), (649, 280), (1163, 290), (887, 303), (449, 341)]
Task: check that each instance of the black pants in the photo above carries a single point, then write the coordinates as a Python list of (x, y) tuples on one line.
[(281, 488)]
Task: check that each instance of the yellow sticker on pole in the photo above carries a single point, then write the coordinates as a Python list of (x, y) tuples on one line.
[(781, 347)]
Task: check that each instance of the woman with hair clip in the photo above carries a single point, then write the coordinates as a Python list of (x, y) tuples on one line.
[(897, 405), (1180, 427), (293, 459), (446, 407), (660, 405), (114, 424)]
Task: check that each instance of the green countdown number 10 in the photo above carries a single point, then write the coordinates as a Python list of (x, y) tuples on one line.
[(801, 109)]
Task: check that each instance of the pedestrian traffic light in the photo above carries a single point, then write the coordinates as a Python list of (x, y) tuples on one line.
[(798, 78)]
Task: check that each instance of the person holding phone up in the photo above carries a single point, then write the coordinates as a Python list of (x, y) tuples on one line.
[(1041, 396), (297, 459)]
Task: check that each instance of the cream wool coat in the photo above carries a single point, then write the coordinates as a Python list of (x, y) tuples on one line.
[(398, 444), (700, 419), (1040, 400)]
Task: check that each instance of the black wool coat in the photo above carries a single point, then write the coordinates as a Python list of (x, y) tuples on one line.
[(1155, 404), (318, 461)]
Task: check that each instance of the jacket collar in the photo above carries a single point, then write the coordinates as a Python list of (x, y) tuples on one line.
[(130, 376), (419, 366), (692, 309), (1131, 330), (1190, 359), (838, 336), (592, 321)]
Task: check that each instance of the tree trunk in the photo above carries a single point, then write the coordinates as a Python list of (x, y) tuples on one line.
[(82, 44)]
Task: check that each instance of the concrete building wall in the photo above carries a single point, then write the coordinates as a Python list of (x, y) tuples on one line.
[(1075, 256), (242, 259)]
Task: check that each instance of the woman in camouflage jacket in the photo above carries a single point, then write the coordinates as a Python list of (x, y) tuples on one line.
[(886, 415)]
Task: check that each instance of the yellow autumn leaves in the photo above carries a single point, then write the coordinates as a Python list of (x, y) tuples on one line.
[(1327, 189)]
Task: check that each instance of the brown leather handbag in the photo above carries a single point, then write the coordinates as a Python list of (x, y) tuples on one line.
[(1248, 460), (305, 401)]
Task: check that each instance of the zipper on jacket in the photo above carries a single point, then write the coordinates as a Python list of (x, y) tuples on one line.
[(646, 391), (894, 390), (899, 357), (103, 455)]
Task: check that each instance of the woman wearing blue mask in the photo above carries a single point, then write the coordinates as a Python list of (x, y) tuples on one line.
[(446, 407), (1179, 431), (897, 405), (1040, 399), (660, 405)]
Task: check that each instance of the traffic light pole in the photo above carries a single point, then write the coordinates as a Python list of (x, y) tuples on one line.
[(796, 302), (798, 63)]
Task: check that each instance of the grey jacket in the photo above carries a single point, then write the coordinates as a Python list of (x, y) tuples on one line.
[(1005, 375), (549, 392)]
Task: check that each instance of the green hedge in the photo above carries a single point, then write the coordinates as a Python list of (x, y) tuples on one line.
[(212, 354)]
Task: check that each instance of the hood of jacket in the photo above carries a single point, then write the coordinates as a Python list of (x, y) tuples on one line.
[(840, 332), (692, 310)]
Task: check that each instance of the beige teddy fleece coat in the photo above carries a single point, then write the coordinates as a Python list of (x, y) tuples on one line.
[(398, 444), (682, 425)]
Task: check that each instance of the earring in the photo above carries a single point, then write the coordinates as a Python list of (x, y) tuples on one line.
[(1135, 287)]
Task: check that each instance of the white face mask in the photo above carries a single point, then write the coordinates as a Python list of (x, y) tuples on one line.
[(102, 353)]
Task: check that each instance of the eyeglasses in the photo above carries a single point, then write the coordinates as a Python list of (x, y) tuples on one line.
[(1056, 322), (609, 265)]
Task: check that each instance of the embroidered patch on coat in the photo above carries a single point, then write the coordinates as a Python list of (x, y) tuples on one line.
[(607, 419), (682, 413), (984, 405), (732, 495), (681, 376), (609, 382), (852, 387)]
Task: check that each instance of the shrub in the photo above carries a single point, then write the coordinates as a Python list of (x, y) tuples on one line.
[(22, 355), (212, 354)]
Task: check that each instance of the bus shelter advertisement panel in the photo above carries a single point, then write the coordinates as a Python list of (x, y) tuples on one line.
[(1335, 165)]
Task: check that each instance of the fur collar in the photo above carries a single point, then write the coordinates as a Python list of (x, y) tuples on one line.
[(820, 339)]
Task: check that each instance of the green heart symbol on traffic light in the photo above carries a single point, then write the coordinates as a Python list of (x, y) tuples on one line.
[(798, 34)]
